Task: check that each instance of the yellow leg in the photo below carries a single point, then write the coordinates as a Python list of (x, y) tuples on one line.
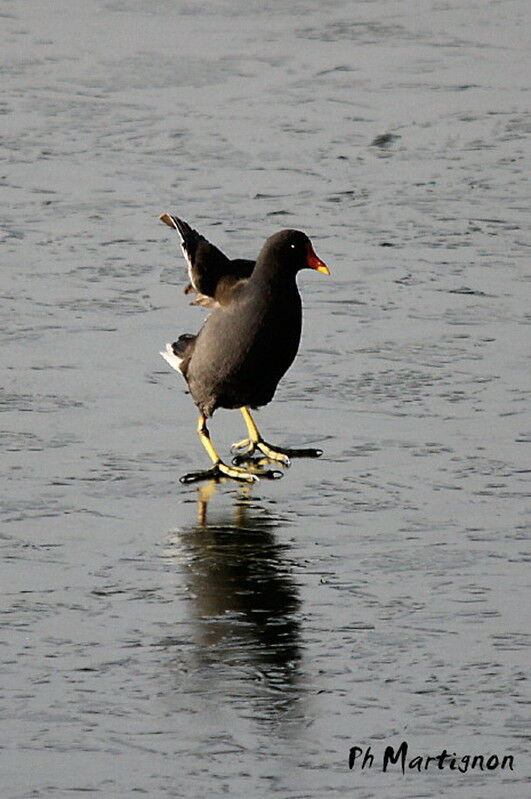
[(235, 472), (220, 469), (251, 424), (204, 435), (256, 442)]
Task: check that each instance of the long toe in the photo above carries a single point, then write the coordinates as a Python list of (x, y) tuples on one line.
[(288, 452), (219, 471), (245, 444), (308, 452), (237, 473), (274, 453), (257, 466), (203, 474), (248, 448)]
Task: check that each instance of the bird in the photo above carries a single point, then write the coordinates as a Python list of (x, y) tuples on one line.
[(248, 341)]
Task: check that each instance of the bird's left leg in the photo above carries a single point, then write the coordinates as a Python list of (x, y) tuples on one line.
[(256, 442)]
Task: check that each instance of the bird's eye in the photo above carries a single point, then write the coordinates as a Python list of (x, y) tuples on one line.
[(292, 246)]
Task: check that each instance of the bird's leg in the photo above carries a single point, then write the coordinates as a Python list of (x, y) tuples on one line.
[(220, 469), (256, 442)]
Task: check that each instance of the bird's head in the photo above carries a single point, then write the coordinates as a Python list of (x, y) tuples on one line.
[(293, 249)]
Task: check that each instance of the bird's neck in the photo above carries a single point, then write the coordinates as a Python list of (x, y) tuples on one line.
[(273, 275)]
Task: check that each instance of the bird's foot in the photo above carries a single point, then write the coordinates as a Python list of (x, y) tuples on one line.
[(249, 447), (220, 470), (274, 453)]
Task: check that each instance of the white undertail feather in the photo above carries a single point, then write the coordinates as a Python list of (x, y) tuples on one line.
[(169, 356), (188, 262), (174, 225), (186, 254)]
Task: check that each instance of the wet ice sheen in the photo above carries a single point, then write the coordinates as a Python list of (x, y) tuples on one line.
[(163, 642)]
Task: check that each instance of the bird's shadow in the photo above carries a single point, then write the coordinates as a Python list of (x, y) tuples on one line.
[(245, 601)]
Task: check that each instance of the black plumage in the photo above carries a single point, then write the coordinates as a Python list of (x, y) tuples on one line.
[(251, 337)]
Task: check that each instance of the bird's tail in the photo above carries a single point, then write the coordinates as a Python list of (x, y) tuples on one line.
[(175, 353)]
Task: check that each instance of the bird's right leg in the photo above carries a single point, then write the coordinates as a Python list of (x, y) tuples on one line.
[(220, 469)]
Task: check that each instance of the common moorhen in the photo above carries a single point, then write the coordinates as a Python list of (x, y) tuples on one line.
[(249, 340)]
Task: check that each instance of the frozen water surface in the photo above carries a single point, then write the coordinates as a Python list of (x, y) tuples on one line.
[(162, 640)]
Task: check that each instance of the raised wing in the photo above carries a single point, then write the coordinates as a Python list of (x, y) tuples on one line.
[(212, 275)]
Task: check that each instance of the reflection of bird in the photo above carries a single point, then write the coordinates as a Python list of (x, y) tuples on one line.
[(245, 599), (250, 339)]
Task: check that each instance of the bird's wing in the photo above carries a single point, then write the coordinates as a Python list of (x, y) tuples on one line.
[(212, 275)]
